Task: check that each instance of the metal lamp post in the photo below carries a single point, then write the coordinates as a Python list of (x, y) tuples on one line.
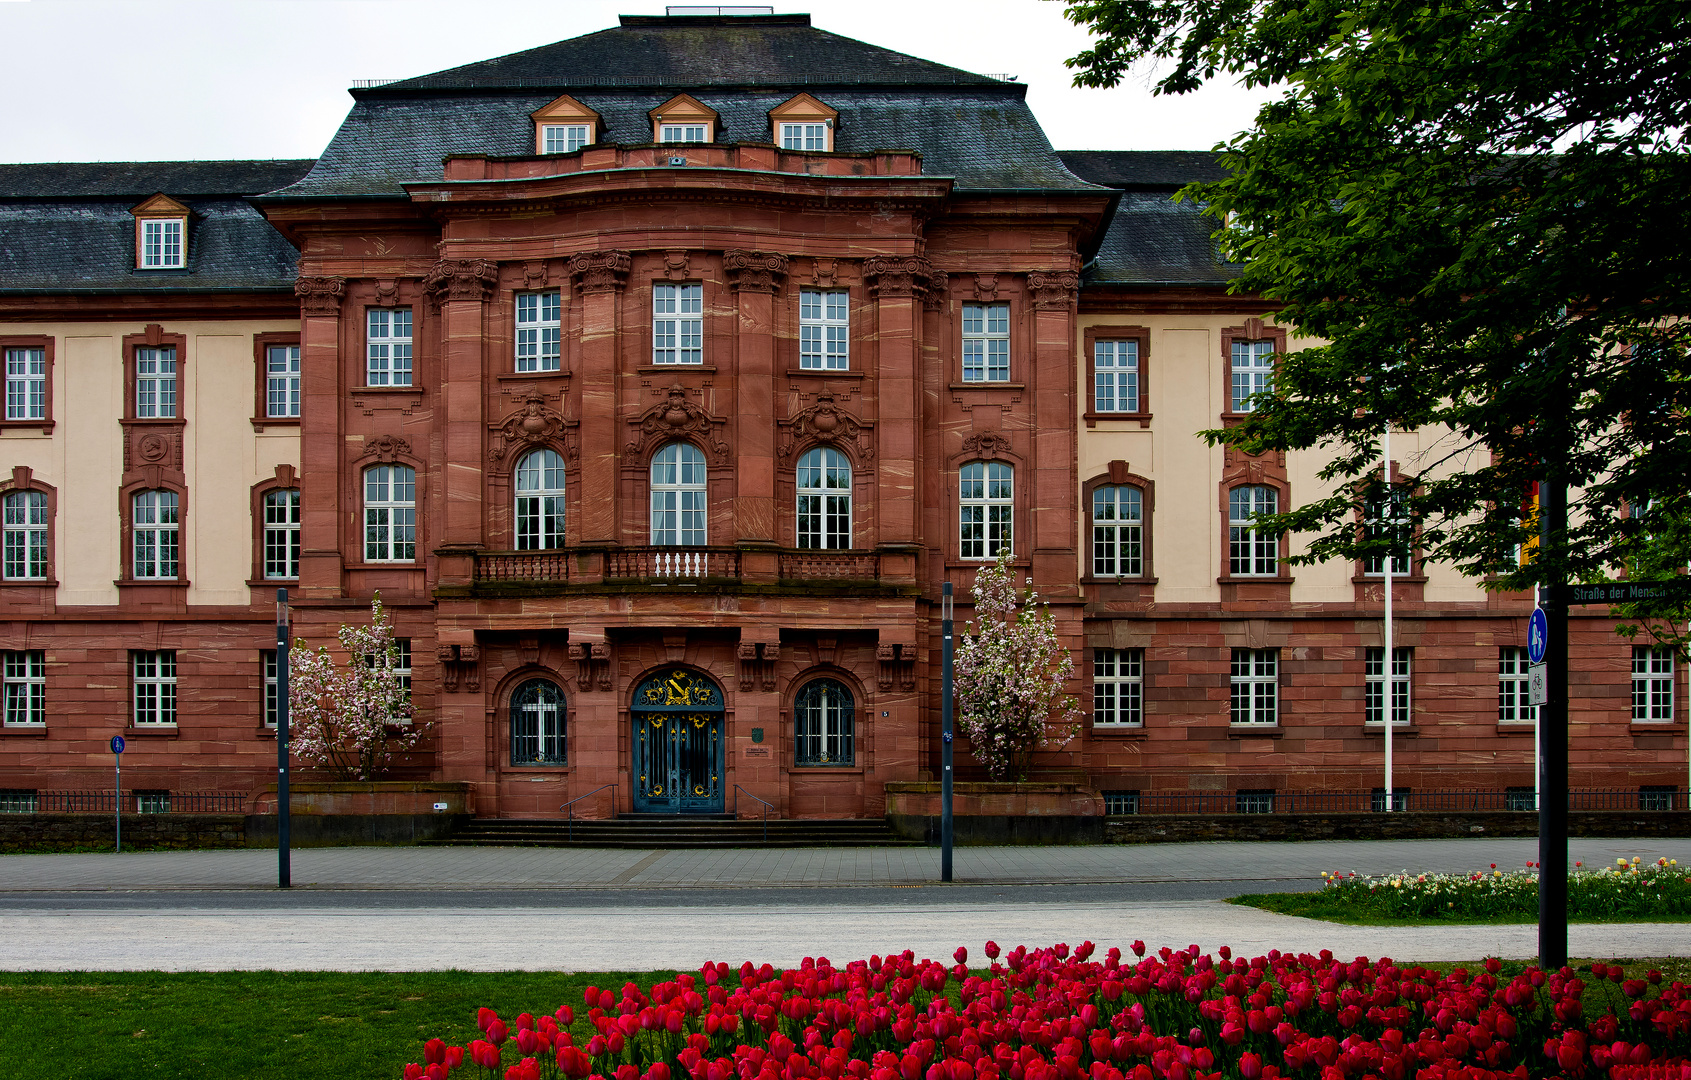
[(945, 736), (284, 871)]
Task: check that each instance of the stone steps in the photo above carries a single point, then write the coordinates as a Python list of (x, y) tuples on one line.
[(667, 831)]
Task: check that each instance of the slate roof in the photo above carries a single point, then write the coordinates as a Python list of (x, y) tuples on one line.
[(1153, 240), (971, 127), (66, 227)]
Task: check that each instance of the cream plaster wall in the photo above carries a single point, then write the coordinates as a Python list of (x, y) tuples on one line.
[(1185, 387), (222, 455)]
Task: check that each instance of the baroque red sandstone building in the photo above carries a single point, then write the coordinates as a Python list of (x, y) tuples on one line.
[(656, 379)]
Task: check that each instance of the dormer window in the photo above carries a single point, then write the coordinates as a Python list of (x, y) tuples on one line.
[(161, 234), (564, 126), (804, 124), (683, 119)]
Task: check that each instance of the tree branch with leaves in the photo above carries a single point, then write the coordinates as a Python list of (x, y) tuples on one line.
[(352, 714)]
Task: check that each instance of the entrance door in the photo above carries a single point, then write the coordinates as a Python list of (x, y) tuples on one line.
[(677, 744)]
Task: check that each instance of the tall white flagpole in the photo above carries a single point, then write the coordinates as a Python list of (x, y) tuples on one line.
[(1388, 697)]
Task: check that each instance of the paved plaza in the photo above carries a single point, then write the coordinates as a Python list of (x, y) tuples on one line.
[(602, 909)]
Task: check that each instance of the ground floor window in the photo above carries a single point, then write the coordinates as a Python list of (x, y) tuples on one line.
[(538, 716), (1254, 801), (152, 802), (1658, 797), (1118, 688), (822, 724), (1400, 799), (14, 801), (1117, 803), (1652, 682), (1256, 686)]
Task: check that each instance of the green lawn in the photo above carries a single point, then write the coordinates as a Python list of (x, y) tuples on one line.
[(1340, 909)]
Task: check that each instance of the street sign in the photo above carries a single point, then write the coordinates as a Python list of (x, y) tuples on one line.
[(1538, 685), (1538, 636), (117, 744), (1629, 592)]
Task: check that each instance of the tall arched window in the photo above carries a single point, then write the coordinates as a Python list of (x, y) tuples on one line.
[(1251, 551), (678, 496), (822, 724), (540, 501), (985, 509), (538, 716), (824, 499), (1118, 542), (390, 513)]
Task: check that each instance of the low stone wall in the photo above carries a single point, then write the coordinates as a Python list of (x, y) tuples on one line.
[(370, 797), (64, 832), (1033, 799), (979, 830), (352, 830)]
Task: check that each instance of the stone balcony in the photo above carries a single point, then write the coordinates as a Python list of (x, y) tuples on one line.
[(748, 568)]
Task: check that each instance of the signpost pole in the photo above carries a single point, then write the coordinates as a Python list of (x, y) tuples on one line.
[(1388, 700), (284, 869), (945, 736), (117, 794), (1553, 742)]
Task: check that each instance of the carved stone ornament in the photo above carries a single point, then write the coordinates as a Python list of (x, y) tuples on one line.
[(939, 288), (532, 425), (462, 279), (143, 447), (825, 422), (908, 276), (986, 286), (754, 271), (1054, 292), (676, 418), (320, 295), (535, 274), (385, 448), (387, 291), (675, 266), (986, 444), (600, 271), (825, 272)]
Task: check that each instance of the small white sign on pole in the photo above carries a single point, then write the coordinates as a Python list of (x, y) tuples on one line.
[(1538, 685)]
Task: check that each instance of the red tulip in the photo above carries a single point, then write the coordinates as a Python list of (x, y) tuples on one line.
[(413, 1071), (1250, 1065)]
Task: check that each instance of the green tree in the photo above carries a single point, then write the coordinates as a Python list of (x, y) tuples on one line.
[(1482, 207)]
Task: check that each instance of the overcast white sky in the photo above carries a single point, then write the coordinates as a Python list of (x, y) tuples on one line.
[(144, 80)]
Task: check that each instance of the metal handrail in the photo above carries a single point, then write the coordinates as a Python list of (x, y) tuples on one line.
[(767, 806), (570, 806)]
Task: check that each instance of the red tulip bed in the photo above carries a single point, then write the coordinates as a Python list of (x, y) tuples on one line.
[(1060, 1014)]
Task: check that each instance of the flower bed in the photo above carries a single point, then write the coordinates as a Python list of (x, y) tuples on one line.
[(1625, 890), (1057, 1014)]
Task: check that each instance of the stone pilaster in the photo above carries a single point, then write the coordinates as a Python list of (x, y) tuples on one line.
[(600, 277)]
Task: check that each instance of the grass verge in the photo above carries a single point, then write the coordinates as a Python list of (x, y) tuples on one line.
[(1340, 909)]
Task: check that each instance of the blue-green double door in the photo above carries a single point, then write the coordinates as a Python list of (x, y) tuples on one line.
[(678, 744)]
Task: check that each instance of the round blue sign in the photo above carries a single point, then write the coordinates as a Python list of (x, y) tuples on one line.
[(1538, 636), (117, 744)]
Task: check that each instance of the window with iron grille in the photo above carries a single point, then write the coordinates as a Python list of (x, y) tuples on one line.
[(1255, 681), (1377, 799), (1254, 801), (1118, 546), (17, 801), (1652, 683), (539, 318), (986, 342), (539, 714), (152, 802), (1375, 681), (25, 683), (1118, 688), (153, 684), (1520, 798), (824, 329), (822, 724), (1118, 803), (1658, 797), (1251, 551), (1512, 689), (986, 509)]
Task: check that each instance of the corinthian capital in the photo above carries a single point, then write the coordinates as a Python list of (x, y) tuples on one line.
[(462, 279), (599, 271), (907, 276), (754, 271), (1055, 291), (320, 295)]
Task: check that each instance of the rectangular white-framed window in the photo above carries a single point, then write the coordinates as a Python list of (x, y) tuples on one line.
[(985, 509), (388, 347), (678, 324), (1652, 683), (161, 244), (26, 384), (155, 382), (390, 513), (153, 684), (1118, 531), (25, 687), (1388, 520), (1118, 688), (267, 659), (26, 536), (824, 330), (1253, 373), (1251, 551), (986, 342), (1374, 685), (152, 802), (1255, 687), (807, 136), (402, 663), (281, 534), (683, 133), (154, 535), (281, 381), (563, 138), (1115, 376), (1512, 691), (539, 316)]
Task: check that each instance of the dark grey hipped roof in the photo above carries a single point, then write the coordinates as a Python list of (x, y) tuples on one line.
[(1153, 240), (66, 227), (973, 128)]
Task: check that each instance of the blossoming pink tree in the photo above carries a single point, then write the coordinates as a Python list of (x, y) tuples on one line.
[(1009, 674), (352, 716)]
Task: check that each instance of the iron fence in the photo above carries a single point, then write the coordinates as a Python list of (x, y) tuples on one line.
[(144, 802), (1262, 801)]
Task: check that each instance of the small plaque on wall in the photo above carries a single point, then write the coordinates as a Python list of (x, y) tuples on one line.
[(757, 751)]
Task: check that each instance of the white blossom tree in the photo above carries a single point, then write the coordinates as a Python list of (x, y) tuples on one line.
[(351, 716), (1008, 677)]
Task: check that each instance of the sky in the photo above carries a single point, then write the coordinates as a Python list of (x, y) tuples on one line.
[(160, 80)]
